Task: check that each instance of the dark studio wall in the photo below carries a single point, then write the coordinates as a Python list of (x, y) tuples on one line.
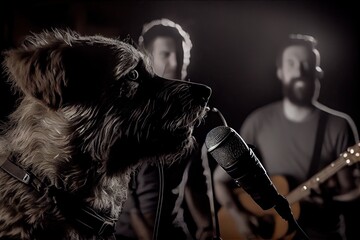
[(234, 42)]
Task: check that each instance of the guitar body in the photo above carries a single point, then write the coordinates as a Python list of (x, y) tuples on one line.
[(228, 228), (279, 227)]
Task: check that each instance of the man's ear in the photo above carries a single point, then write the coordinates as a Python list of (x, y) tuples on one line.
[(319, 73), (279, 74), (37, 72)]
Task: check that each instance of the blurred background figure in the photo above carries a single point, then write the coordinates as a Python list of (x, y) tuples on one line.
[(296, 138), (167, 202), (168, 46)]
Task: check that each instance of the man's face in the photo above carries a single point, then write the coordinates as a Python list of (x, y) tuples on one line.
[(165, 57), (297, 75)]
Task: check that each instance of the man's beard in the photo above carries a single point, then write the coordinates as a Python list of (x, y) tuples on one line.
[(300, 91)]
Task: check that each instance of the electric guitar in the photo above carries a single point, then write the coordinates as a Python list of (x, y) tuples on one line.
[(279, 227)]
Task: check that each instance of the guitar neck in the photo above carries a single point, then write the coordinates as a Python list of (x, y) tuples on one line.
[(304, 189)]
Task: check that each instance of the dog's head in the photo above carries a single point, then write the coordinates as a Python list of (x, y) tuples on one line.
[(117, 109)]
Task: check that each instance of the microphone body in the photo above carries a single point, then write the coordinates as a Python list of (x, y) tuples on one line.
[(239, 161), (232, 153)]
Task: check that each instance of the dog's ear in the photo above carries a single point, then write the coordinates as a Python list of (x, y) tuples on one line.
[(59, 70), (37, 71), (130, 41), (89, 70)]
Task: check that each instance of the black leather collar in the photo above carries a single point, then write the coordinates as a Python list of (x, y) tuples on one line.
[(73, 208)]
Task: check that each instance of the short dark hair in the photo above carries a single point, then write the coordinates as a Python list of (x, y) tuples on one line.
[(165, 31), (307, 41), (161, 31), (167, 28)]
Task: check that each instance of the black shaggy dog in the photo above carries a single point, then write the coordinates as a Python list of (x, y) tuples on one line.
[(91, 109)]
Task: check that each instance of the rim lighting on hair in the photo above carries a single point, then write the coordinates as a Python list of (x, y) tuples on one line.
[(186, 43)]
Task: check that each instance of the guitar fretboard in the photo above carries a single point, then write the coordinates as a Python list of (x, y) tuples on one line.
[(303, 190)]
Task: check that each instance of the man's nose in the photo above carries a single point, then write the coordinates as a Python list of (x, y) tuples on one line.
[(300, 70), (172, 61)]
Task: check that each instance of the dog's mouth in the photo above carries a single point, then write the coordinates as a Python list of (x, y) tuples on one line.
[(181, 134), (200, 117), (186, 128)]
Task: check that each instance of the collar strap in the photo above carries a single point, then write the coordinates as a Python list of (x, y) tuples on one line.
[(83, 216), (22, 175), (18, 173)]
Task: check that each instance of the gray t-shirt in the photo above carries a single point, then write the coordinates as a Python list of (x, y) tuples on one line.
[(286, 148)]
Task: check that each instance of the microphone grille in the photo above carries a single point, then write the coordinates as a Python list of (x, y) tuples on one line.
[(216, 136), (225, 145)]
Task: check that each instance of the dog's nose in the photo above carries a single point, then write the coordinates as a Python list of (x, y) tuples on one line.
[(201, 92)]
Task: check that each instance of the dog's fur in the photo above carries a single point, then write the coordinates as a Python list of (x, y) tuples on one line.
[(83, 123)]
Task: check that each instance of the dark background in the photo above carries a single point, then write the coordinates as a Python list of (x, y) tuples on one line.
[(234, 42)]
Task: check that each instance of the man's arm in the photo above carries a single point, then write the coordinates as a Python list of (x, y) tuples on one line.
[(199, 208), (142, 224), (196, 197), (144, 197), (224, 196)]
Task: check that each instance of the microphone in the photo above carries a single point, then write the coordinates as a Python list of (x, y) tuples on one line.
[(232, 153), (215, 110)]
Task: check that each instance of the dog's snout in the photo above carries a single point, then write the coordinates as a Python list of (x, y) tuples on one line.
[(201, 92)]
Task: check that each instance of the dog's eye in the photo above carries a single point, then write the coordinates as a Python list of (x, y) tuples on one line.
[(133, 75)]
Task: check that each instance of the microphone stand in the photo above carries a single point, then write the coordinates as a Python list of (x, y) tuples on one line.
[(210, 181), (206, 164), (220, 115), (216, 219)]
